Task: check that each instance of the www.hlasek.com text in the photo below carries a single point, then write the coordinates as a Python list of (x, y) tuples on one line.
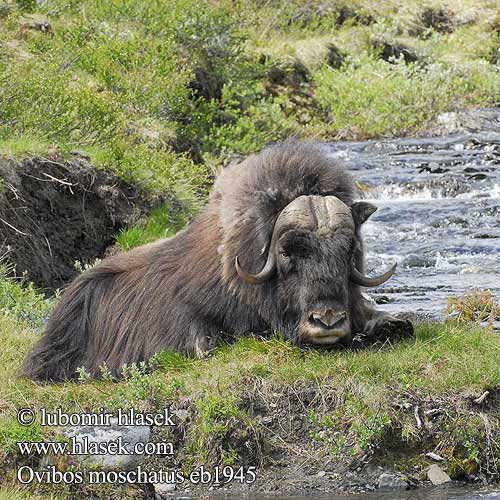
[(82, 445)]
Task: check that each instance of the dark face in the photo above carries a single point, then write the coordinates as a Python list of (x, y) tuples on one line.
[(313, 283), (312, 259)]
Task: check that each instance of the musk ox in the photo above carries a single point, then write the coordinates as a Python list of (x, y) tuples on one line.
[(277, 247)]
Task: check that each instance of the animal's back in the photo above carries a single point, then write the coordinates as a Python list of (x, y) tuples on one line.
[(82, 331)]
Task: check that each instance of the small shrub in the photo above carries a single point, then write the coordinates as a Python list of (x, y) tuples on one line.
[(354, 425), (475, 306), (19, 298), (11, 432), (220, 426), (169, 360), (142, 390)]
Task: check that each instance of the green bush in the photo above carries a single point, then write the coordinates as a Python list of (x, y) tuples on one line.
[(369, 98), (20, 300)]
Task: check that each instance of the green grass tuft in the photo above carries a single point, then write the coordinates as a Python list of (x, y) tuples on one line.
[(160, 224), (19, 299)]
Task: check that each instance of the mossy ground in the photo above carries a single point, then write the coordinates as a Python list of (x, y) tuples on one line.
[(166, 92)]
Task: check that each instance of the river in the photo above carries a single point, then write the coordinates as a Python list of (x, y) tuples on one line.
[(440, 493), (439, 219), (438, 216)]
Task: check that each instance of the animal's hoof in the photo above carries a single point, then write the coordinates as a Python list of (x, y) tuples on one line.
[(394, 329), (387, 327)]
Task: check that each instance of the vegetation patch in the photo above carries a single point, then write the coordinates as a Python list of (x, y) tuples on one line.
[(475, 306), (140, 84), (292, 412)]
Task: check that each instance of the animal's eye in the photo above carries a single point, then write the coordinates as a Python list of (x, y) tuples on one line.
[(285, 255), (286, 262)]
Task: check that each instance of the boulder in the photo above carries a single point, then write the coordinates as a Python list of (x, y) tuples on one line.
[(437, 476)]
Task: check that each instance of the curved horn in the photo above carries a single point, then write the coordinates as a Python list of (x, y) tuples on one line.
[(310, 212), (293, 212), (359, 279), (266, 273)]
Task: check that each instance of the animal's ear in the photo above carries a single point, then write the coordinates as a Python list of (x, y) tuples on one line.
[(361, 211)]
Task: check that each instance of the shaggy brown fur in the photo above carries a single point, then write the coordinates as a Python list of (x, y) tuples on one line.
[(182, 293)]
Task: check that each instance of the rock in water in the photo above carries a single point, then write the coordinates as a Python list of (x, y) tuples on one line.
[(164, 489), (437, 476), (392, 482)]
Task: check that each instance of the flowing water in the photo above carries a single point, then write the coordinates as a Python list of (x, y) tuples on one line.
[(451, 493), (438, 216)]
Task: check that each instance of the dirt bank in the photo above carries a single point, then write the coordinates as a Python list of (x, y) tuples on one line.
[(56, 211), (303, 441)]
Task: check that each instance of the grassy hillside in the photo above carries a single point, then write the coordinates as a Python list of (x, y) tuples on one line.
[(164, 92)]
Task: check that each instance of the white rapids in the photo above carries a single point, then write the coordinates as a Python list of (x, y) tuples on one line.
[(438, 217)]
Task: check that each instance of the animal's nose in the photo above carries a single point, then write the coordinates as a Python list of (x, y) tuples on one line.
[(329, 318)]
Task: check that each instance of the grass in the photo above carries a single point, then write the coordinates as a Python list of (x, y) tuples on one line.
[(137, 84), (25, 146), (19, 300), (361, 399), (400, 99), (21, 494), (443, 358), (476, 305), (160, 224)]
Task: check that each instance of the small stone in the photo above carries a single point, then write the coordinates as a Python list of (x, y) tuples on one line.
[(335, 57), (163, 488), (35, 22), (359, 451), (392, 482), (478, 177), (484, 236), (180, 413), (437, 476), (413, 260), (383, 299), (449, 122), (391, 53), (90, 437)]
